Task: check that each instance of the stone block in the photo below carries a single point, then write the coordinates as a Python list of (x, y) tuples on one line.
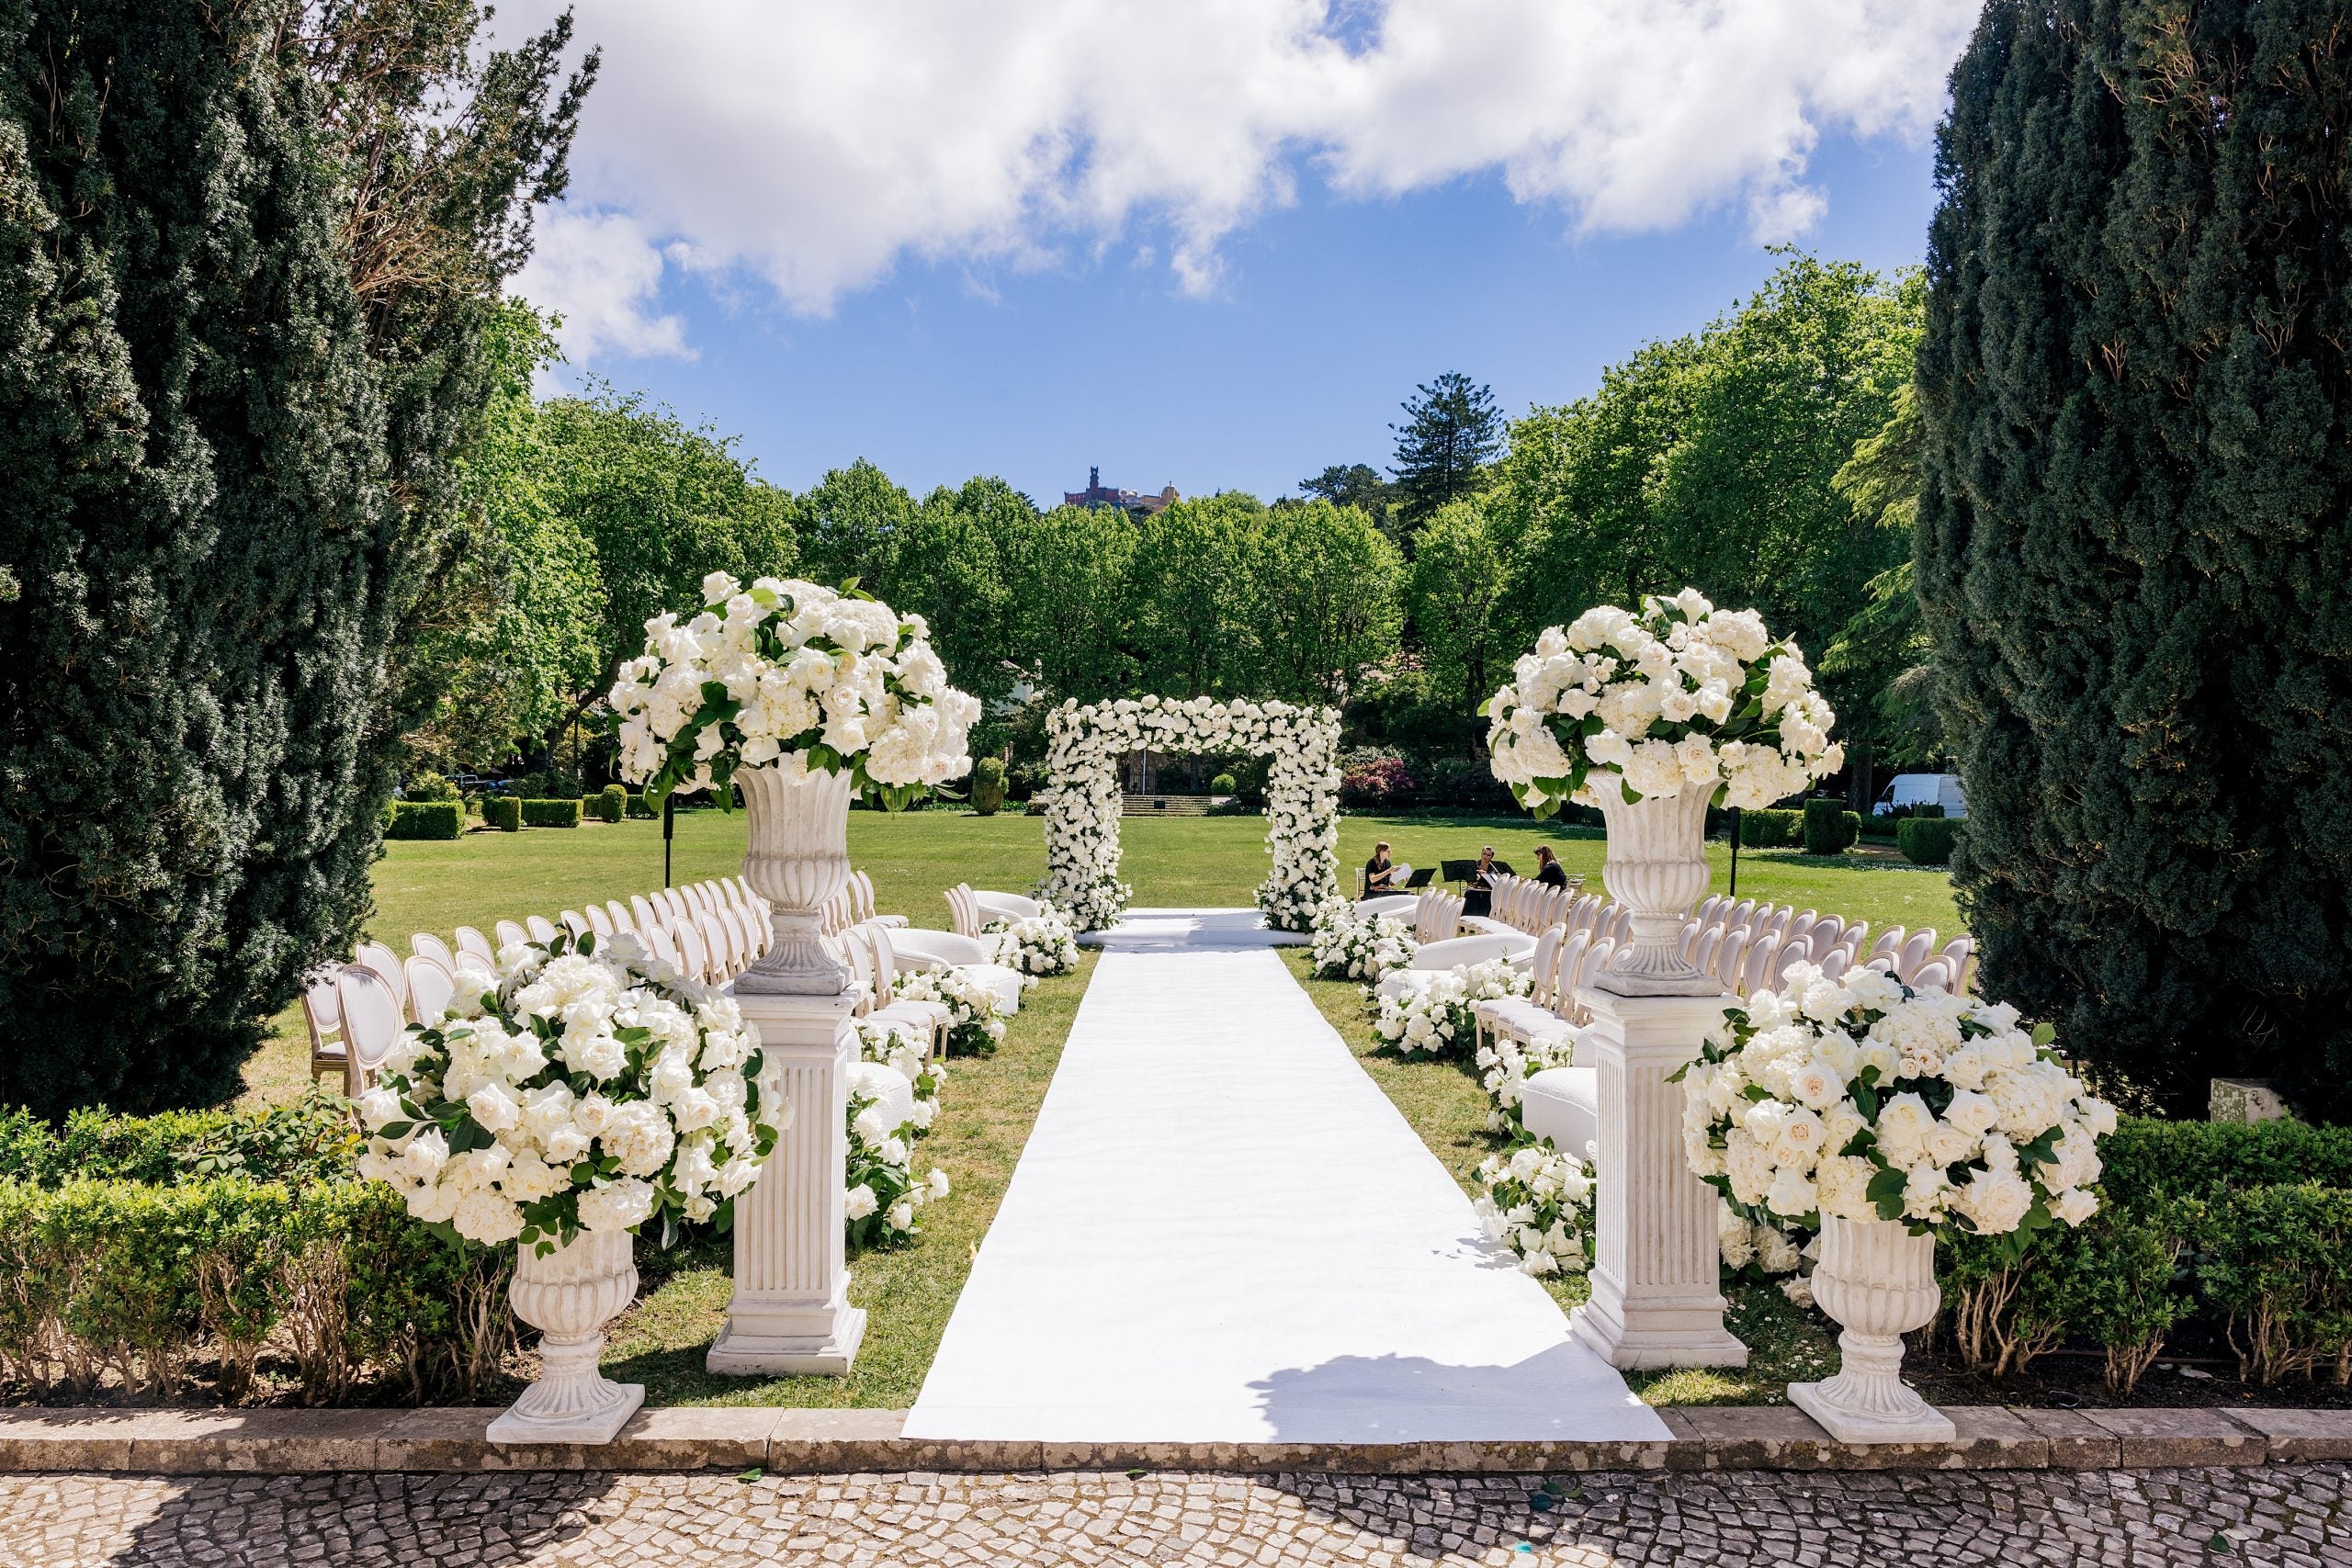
[(2298, 1437), (2076, 1442), (256, 1442), (2182, 1436), (2244, 1099), (1782, 1438), (68, 1440), (1506, 1458)]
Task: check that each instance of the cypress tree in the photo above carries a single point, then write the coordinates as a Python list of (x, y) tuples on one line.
[(2132, 548), (246, 254)]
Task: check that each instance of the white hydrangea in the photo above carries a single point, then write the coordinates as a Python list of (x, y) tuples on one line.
[(1439, 1019), (478, 1125), (1042, 944), (1682, 696), (1348, 946), (1863, 1099), (803, 667), (1538, 1202)]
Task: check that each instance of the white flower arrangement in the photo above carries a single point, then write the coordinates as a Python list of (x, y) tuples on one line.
[(583, 1086), (1349, 946), (1504, 1067), (1751, 1240), (1042, 944), (1438, 1019), (1681, 696), (1538, 1201), (793, 676), (1864, 1099), (975, 1011), (1082, 752), (884, 1194), (897, 1048)]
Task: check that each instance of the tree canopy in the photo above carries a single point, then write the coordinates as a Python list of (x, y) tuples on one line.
[(1452, 430)]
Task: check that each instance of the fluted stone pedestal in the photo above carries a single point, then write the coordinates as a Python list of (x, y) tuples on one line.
[(790, 1312), (1655, 1298)]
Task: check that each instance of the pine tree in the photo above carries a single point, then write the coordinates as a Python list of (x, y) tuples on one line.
[(2133, 550), (1452, 431)]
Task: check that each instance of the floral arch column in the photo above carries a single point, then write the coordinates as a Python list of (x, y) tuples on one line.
[(1082, 752)]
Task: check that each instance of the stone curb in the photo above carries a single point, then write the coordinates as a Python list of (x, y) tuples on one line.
[(199, 1442)]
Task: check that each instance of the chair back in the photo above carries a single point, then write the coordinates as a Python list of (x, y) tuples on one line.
[(1597, 958), (425, 944), (321, 1012), (663, 944), (725, 943), (1542, 963), (1566, 965), (617, 915), (1742, 910), (541, 929), (693, 958), (1826, 932), (372, 1023), (1915, 949), (430, 986), (473, 944), (641, 918), (1889, 943), (1729, 955), (1702, 955), (1959, 953), (1707, 907), (1799, 928), (1934, 974), (1835, 963), (1758, 964), (599, 920), (375, 956), (858, 954), (575, 922)]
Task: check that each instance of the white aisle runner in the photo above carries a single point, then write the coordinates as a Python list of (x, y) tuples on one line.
[(1222, 1231)]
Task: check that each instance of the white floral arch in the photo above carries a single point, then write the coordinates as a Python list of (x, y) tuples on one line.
[(1082, 752)]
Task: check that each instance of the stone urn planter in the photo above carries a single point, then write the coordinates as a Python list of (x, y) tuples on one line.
[(1879, 1281), (569, 1294), (797, 859), (1657, 867)]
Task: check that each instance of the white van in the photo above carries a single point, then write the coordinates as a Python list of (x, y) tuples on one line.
[(1922, 789)]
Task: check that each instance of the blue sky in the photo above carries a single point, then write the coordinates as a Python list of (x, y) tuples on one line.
[(1192, 324)]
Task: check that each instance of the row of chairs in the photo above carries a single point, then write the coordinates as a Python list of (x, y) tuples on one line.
[(1750, 947), (1523, 904), (970, 910), (356, 1012)]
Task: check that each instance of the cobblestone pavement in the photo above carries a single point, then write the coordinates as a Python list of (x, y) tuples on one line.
[(2294, 1515)]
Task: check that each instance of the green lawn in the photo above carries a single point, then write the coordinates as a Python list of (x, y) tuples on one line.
[(991, 1104)]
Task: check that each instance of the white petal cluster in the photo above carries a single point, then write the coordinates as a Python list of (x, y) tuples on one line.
[(1042, 944), (884, 1193), (764, 676), (1439, 1020), (1348, 946), (1682, 696), (596, 1090), (1864, 1099), (1538, 1201), (1082, 752), (976, 1013)]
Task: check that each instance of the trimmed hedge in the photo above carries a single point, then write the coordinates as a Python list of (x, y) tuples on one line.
[(612, 804), (551, 813), (2249, 1228), (1926, 841), (1829, 829), (425, 819), (639, 807), (503, 812), (136, 1247), (1771, 828)]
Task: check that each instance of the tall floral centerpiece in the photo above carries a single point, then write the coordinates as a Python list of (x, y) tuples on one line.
[(574, 1096), (1886, 1118), (1652, 717), (802, 697)]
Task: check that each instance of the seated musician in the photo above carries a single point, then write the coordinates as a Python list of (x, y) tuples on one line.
[(1479, 900), (1379, 871), (1549, 871)]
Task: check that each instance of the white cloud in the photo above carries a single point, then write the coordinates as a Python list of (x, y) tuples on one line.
[(813, 144), (602, 273)]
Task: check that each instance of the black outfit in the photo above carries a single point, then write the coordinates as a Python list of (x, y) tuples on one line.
[(1375, 876), (1480, 898), (1553, 874)]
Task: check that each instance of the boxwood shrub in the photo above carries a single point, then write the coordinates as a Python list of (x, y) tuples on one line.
[(1926, 841), (551, 813), (1829, 829), (425, 819), (639, 807), (503, 812), (1769, 829), (612, 804), (2246, 1228)]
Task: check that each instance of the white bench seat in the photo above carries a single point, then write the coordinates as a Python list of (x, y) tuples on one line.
[(1564, 1105)]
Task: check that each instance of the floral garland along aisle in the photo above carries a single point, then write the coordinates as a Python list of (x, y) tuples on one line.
[(1083, 748)]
